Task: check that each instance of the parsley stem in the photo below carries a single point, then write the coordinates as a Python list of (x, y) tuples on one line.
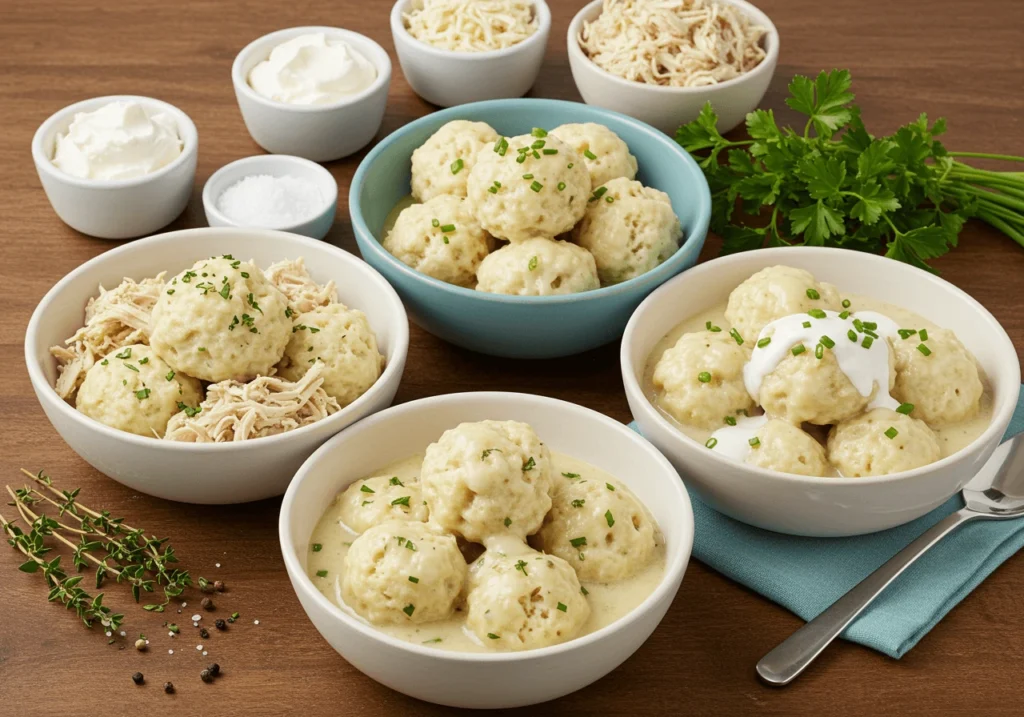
[(985, 155), (1002, 226)]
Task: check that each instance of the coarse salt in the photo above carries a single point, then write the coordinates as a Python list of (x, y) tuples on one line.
[(263, 200)]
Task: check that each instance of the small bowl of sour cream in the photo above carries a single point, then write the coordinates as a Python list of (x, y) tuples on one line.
[(272, 191), (313, 92), (117, 167)]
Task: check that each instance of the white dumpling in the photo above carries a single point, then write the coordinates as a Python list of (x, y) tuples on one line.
[(442, 164), (944, 384), (607, 157), (783, 447), (881, 442), (774, 292), (538, 267), (378, 499)]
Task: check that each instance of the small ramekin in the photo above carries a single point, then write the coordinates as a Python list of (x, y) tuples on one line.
[(276, 165), (117, 208), (669, 107), (447, 78), (321, 133)]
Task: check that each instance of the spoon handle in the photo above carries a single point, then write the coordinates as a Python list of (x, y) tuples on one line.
[(783, 664)]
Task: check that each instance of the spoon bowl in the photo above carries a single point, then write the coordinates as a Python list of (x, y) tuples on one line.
[(998, 489)]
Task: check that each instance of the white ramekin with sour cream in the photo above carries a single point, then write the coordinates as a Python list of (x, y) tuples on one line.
[(117, 208), (319, 132)]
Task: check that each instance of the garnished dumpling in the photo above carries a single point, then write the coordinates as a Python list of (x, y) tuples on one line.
[(607, 157), (774, 292), (133, 390), (520, 599), (440, 238), (528, 186), (221, 319), (487, 479), (880, 442), (443, 163), (783, 447), (629, 228), (342, 339), (378, 499), (598, 527), (700, 379), (538, 267), (811, 386), (938, 375), (402, 572)]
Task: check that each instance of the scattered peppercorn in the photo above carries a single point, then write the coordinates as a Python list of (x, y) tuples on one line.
[(204, 633), (218, 585), (214, 669), (140, 644), (207, 603), (169, 688), (220, 624), (138, 679), (205, 676)]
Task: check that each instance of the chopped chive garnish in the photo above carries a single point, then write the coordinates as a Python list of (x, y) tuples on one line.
[(819, 351), (598, 193), (798, 349), (457, 165), (704, 377), (923, 334), (143, 394), (827, 342), (754, 442), (588, 154), (448, 228), (508, 521), (317, 547), (736, 335), (730, 420), (891, 433), (609, 199), (129, 366), (711, 442), (571, 475), (413, 579), (127, 353), (807, 324), (501, 146), (538, 132), (711, 327), (536, 155), (577, 542), (852, 335), (432, 640), (532, 264), (536, 186), (610, 487), (844, 315), (538, 144), (321, 573), (435, 223), (409, 609), (813, 294), (609, 518), (549, 151), (561, 186), (520, 159), (866, 343), (924, 349), (569, 166), (583, 591), (143, 361), (170, 375), (906, 333), (527, 176), (905, 408), (444, 239), (562, 606), (492, 190), (493, 636), (846, 303), (869, 325), (764, 342), (817, 313), (366, 489)]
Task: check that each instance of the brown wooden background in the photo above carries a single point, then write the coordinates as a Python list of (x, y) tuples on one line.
[(947, 57)]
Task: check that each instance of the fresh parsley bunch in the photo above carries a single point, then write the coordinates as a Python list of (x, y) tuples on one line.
[(833, 184)]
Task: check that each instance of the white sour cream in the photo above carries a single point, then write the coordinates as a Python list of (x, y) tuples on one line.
[(866, 366), (120, 140), (734, 441), (312, 70)]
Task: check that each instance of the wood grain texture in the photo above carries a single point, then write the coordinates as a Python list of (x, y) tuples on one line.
[(948, 58)]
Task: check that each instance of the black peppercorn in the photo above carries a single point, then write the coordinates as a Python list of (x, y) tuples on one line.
[(204, 633), (205, 676), (138, 679), (207, 603), (169, 688), (218, 586), (220, 624), (214, 669)]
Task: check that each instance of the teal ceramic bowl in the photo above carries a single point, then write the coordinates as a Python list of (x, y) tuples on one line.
[(525, 326)]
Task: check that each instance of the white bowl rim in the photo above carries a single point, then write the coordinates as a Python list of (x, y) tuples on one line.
[(673, 570), (543, 28), (186, 127), (380, 60), (777, 255), (284, 160), (657, 275), (38, 379), (754, 13)]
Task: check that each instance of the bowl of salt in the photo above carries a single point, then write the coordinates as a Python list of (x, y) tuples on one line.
[(272, 191)]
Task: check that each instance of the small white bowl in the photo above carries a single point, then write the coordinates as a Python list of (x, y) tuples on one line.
[(117, 208), (321, 133), (669, 107), (275, 165), (491, 679), (209, 472), (447, 78), (823, 507)]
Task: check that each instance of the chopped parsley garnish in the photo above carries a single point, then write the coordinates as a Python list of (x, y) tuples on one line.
[(578, 502), (891, 433), (905, 408), (104, 362), (366, 489), (170, 375), (754, 442), (321, 573), (189, 275), (532, 264), (144, 360), (130, 367), (404, 500), (142, 394), (189, 410), (610, 487), (395, 481), (317, 547), (508, 521), (493, 636), (225, 290), (288, 313), (409, 609), (578, 542), (252, 303), (521, 566), (608, 517), (584, 591), (571, 475), (127, 353), (489, 451), (529, 465), (562, 606), (413, 579)]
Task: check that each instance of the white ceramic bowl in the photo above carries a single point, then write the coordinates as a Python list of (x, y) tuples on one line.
[(485, 680), (321, 133), (275, 165), (447, 78), (806, 505), (669, 107), (209, 473), (117, 208)]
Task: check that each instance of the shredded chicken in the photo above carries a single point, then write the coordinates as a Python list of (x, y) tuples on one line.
[(265, 406), (113, 319), (304, 294), (471, 25), (676, 43)]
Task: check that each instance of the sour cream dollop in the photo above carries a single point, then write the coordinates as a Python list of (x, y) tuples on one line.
[(312, 70), (120, 140), (734, 441), (865, 360)]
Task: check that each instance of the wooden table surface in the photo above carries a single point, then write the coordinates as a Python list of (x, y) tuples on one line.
[(941, 56)]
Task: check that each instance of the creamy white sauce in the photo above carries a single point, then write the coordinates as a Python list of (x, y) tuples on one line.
[(608, 601), (734, 441), (864, 358)]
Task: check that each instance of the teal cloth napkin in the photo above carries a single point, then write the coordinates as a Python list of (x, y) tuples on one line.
[(806, 575)]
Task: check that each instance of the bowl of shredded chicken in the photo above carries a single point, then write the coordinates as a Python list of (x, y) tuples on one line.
[(238, 351), (657, 60)]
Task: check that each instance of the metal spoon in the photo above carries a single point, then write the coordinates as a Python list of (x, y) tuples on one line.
[(995, 493)]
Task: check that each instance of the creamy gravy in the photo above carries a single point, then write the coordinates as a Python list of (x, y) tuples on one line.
[(608, 601), (952, 437)]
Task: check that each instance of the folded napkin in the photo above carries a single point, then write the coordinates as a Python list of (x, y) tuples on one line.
[(806, 575)]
